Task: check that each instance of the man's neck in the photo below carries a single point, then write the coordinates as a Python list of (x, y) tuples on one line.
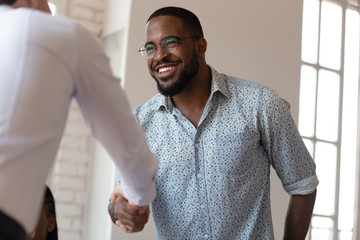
[(192, 100)]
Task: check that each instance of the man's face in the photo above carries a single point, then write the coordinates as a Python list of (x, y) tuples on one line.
[(171, 71)]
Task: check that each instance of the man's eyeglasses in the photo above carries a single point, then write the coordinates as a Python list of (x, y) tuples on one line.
[(168, 45)]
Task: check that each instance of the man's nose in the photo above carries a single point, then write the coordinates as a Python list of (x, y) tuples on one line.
[(160, 54)]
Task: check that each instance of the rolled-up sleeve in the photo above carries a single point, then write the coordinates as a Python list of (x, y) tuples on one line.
[(285, 148)]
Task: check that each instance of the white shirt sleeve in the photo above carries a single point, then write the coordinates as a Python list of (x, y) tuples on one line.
[(107, 111), (45, 61)]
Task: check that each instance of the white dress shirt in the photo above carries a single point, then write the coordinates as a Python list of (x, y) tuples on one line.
[(44, 62)]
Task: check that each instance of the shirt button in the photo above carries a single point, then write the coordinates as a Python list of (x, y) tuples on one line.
[(202, 206), (206, 236), (196, 145), (199, 175)]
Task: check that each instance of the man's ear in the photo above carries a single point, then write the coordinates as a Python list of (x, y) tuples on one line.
[(202, 46), (51, 223)]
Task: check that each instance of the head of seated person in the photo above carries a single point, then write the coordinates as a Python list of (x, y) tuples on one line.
[(46, 227)]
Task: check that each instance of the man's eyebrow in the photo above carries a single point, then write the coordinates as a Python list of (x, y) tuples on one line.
[(151, 42)]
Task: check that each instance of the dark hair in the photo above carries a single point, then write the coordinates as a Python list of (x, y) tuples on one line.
[(49, 202), (189, 19), (8, 2)]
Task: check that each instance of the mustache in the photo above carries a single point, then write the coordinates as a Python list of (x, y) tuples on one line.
[(164, 61)]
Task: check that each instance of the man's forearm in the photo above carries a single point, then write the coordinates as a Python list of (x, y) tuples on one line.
[(299, 216)]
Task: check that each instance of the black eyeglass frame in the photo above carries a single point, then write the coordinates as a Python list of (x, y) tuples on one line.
[(142, 50)]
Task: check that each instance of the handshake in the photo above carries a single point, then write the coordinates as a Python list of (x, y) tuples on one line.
[(128, 216)]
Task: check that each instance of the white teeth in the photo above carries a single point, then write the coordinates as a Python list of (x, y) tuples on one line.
[(165, 69)]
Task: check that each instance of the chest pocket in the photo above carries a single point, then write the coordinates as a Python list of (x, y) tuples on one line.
[(236, 150)]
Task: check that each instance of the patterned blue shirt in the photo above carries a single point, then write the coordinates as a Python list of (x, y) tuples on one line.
[(214, 181)]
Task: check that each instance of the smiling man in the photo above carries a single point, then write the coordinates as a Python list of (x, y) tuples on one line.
[(216, 137)]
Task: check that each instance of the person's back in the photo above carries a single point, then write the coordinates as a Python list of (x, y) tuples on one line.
[(35, 91), (44, 62)]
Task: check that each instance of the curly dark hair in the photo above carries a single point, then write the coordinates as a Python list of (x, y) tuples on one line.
[(8, 2), (49, 202)]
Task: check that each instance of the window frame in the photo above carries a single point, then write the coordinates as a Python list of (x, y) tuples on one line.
[(344, 4)]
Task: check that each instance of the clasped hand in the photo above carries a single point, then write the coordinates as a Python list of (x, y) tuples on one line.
[(128, 216)]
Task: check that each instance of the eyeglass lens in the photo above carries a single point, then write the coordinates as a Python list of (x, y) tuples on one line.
[(168, 45)]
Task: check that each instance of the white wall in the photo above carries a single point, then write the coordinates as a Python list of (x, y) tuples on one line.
[(259, 41)]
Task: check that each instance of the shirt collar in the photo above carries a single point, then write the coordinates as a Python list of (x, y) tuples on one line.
[(218, 84), (165, 103)]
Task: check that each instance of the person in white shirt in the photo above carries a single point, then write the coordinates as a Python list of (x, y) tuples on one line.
[(45, 61)]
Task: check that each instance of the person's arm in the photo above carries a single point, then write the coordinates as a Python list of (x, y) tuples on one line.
[(291, 160), (128, 217), (298, 216), (107, 112)]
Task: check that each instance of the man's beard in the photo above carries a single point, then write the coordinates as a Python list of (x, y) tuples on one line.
[(182, 80)]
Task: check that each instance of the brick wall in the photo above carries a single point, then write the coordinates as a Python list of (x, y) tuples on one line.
[(70, 176)]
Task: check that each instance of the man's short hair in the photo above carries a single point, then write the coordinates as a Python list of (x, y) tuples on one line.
[(189, 19), (8, 2)]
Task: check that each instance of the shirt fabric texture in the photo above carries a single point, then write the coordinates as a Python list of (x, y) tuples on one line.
[(45, 61), (214, 181)]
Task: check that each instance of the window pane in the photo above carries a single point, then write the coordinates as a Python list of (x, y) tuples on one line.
[(345, 235), (330, 35), (52, 7), (351, 56), (322, 228), (310, 31), (310, 146), (325, 159), (308, 235), (307, 101), (349, 123), (328, 106)]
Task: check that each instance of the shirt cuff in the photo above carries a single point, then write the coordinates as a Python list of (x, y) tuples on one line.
[(303, 187), (140, 197)]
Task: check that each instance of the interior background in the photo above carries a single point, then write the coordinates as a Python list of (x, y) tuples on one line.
[(258, 41)]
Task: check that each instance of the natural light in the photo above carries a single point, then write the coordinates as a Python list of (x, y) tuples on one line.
[(52, 7), (328, 112)]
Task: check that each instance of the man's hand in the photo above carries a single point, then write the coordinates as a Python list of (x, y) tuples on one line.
[(128, 216)]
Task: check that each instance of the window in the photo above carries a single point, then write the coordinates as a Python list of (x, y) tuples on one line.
[(52, 7), (58, 7), (329, 112)]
